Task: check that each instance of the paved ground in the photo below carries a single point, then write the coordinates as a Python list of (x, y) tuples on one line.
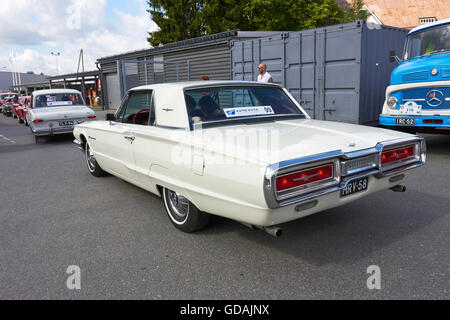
[(54, 214)]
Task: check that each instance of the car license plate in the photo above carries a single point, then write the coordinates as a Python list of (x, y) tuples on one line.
[(405, 121), (66, 124), (355, 186)]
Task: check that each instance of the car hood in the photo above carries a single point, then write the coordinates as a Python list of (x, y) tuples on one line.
[(66, 112), (278, 141)]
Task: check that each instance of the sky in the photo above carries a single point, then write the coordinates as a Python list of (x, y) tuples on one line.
[(32, 29)]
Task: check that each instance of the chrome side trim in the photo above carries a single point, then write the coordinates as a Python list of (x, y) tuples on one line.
[(274, 200)]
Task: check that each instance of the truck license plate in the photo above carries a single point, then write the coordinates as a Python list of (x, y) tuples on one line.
[(405, 121)]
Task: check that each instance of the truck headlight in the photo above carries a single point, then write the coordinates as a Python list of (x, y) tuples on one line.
[(392, 102)]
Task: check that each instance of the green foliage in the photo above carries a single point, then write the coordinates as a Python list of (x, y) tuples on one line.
[(355, 12), (184, 19), (176, 19)]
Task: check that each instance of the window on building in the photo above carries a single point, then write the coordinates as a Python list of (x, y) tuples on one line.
[(427, 20)]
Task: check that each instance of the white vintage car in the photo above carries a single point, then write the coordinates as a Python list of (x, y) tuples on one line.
[(56, 111), (242, 150)]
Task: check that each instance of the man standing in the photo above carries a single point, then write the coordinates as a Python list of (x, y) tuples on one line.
[(264, 76)]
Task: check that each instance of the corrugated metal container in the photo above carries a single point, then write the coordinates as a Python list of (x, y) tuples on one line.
[(213, 61), (209, 55), (336, 73)]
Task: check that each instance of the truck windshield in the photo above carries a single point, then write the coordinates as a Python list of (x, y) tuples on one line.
[(427, 42), (58, 100), (238, 102)]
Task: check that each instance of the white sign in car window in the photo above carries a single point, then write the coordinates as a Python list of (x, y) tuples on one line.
[(248, 111), (59, 103)]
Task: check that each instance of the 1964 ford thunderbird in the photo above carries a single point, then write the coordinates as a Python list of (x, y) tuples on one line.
[(242, 150)]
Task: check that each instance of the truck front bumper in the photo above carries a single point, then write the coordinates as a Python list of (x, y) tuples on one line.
[(431, 122)]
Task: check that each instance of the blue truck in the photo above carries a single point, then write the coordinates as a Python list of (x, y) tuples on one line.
[(418, 98)]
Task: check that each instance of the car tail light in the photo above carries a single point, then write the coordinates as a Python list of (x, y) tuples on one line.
[(304, 177), (398, 154), (92, 117), (38, 121)]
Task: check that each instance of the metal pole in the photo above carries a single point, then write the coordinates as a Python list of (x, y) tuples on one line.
[(124, 79), (146, 71)]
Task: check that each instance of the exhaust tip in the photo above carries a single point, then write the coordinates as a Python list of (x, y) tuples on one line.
[(276, 232), (399, 188)]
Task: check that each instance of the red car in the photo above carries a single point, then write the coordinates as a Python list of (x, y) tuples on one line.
[(14, 107), (22, 109), (4, 96)]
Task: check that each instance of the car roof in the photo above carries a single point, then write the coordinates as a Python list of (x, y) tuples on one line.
[(429, 26), (50, 91), (194, 84)]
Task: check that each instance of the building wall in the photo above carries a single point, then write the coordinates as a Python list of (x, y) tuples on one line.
[(405, 13)]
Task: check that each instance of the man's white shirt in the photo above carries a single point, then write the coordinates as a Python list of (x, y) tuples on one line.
[(265, 78)]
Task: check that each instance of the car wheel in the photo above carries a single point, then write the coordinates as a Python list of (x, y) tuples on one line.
[(40, 139), (183, 214), (93, 167)]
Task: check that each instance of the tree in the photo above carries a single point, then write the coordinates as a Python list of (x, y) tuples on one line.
[(355, 12), (177, 20), (184, 19)]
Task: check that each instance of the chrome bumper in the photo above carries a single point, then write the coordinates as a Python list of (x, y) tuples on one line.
[(274, 202), (51, 131)]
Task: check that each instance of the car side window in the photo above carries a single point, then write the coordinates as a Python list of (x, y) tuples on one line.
[(139, 109)]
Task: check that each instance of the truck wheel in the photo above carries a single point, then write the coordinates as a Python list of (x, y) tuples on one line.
[(93, 167), (183, 214)]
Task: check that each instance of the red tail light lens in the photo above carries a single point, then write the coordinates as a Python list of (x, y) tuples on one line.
[(38, 121), (433, 121), (304, 177), (397, 154), (92, 117)]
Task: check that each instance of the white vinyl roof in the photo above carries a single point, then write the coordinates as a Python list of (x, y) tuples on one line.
[(54, 91), (193, 84)]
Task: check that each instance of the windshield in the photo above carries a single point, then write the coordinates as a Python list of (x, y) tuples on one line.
[(58, 100), (228, 103), (427, 42)]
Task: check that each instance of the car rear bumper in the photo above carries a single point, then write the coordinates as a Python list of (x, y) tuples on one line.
[(50, 131)]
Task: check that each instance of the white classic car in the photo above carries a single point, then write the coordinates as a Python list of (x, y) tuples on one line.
[(56, 111), (242, 150)]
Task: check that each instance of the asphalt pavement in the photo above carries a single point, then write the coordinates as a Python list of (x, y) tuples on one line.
[(54, 214)]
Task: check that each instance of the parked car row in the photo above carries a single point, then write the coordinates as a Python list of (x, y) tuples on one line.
[(47, 112), (242, 150)]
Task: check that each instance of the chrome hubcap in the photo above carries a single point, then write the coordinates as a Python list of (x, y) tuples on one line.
[(90, 159), (179, 204)]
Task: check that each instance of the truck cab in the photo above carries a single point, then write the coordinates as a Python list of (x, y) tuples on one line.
[(418, 98)]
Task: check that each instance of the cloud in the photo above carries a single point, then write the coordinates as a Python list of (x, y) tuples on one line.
[(35, 28)]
